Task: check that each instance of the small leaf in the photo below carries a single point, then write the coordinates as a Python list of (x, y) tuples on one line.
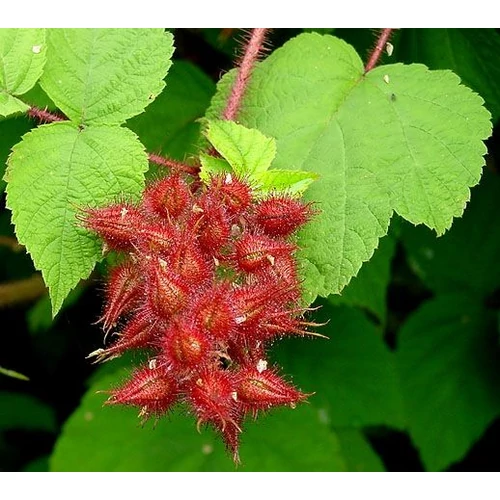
[(21, 411), (399, 138), (294, 182), (356, 382), (369, 288), (13, 374), (93, 440), (465, 258), (448, 362), (49, 179), (248, 151), (105, 76), (22, 57)]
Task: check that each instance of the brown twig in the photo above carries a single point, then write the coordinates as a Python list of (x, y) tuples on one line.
[(251, 53), (25, 290), (381, 44), (11, 243)]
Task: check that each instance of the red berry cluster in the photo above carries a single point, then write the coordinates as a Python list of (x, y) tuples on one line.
[(208, 279)]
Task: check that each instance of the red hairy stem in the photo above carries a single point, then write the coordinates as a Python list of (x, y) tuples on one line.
[(384, 37), (44, 116), (174, 165), (252, 51)]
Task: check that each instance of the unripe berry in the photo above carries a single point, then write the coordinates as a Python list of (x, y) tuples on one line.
[(186, 345), (260, 389), (167, 292), (116, 224), (153, 390), (168, 197), (254, 252), (281, 215), (122, 293)]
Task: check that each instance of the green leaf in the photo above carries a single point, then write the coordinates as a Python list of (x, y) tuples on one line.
[(169, 126), (466, 258), (359, 455), (352, 374), (105, 76), (294, 182), (448, 362), (49, 178), (400, 138), (10, 105), (21, 411), (369, 288), (210, 166), (11, 131), (13, 374), (248, 151), (93, 440), (22, 57), (471, 53)]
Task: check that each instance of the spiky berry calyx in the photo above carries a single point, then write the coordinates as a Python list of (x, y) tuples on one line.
[(208, 282)]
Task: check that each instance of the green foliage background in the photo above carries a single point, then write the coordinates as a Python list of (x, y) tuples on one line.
[(409, 378)]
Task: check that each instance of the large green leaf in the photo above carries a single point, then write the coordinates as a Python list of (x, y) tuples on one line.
[(49, 178), (466, 258), (448, 361), (169, 124), (22, 57), (471, 53), (352, 374), (21, 411), (369, 288), (110, 439), (400, 138), (104, 76)]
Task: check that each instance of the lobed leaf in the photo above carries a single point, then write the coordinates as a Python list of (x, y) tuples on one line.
[(49, 179), (399, 138), (105, 76), (447, 358)]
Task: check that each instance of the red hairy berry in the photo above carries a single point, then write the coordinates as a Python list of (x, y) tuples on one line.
[(212, 395), (186, 345), (168, 198), (214, 311), (235, 194), (117, 224), (167, 291), (152, 389), (254, 252), (281, 215), (121, 293), (259, 389)]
